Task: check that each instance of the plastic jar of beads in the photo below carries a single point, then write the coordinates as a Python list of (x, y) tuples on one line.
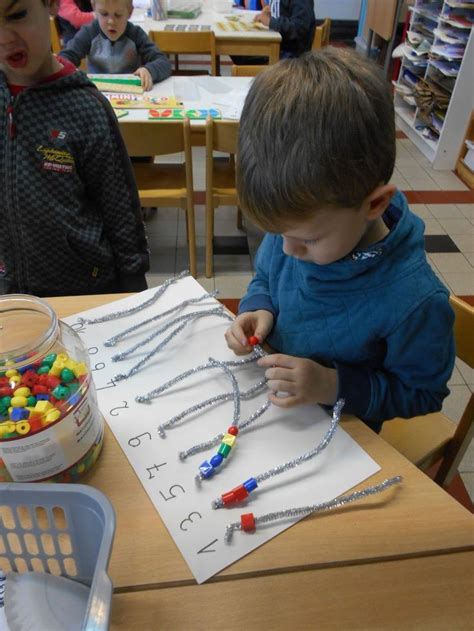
[(50, 424)]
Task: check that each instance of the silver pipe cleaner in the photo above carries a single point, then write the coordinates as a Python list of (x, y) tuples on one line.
[(190, 317), (207, 403), (126, 312), (291, 464), (213, 441), (112, 341), (315, 508), (185, 317), (153, 394), (235, 387)]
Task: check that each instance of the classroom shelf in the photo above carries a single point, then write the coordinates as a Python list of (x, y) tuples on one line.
[(446, 28)]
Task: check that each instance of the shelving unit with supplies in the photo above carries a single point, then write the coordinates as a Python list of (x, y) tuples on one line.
[(434, 93)]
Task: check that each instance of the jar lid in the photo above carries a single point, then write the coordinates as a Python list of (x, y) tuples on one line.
[(28, 328)]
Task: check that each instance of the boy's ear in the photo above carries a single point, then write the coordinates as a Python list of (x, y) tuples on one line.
[(53, 6), (379, 199)]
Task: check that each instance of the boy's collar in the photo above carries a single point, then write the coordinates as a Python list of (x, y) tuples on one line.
[(66, 69)]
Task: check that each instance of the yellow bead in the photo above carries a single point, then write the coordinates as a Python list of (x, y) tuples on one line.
[(229, 440), (52, 415), (81, 468), (57, 368), (23, 427), (7, 428), (80, 369), (14, 379), (18, 402), (22, 392), (70, 364), (11, 373), (43, 406), (62, 357)]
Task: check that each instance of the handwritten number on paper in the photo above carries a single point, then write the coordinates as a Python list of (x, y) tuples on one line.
[(119, 407), (112, 385), (93, 350), (172, 495), (190, 519), (135, 441), (155, 466), (99, 366), (79, 327), (205, 548)]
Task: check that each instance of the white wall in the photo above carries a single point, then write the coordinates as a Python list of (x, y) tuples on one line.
[(337, 9)]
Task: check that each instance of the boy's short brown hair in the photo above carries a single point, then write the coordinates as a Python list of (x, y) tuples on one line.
[(315, 131)]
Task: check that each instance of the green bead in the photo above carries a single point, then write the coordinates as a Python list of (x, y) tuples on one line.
[(49, 359), (10, 435), (42, 370), (67, 375), (60, 392), (5, 401), (224, 450), (31, 401)]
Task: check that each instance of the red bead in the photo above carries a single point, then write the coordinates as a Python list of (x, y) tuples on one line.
[(39, 389), (29, 378), (43, 379), (253, 340), (6, 391), (233, 430), (35, 423), (240, 493), (228, 498), (247, 521), (4, 381), (53, 381)]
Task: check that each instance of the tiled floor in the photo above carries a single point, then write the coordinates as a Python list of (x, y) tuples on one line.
[(439, 197)]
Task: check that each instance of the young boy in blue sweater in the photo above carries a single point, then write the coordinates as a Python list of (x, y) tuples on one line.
[(342, 288), (114, 45)]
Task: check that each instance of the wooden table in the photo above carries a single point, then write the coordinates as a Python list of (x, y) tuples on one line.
[(401, 560), (264, 43)]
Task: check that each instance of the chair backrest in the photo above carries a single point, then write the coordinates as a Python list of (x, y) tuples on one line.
[(322, 34), (156, 138), (178, 42), (221, 135), (463, 330), (55, 36), (247, 71)]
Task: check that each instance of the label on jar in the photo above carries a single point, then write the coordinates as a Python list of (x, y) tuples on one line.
[(55, 449)]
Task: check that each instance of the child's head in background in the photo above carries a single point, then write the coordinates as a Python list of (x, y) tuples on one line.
[(25, 40), (316, 153), (113, 16)]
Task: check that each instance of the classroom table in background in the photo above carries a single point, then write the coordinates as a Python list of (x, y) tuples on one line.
[(264, 43), (401, 560)]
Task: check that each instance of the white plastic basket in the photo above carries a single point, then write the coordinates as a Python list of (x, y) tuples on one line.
[(65, 530)]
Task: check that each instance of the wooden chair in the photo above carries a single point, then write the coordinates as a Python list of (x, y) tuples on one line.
[(220, 177), (322, 34), (424, 440), (178, 42), (164, 184), (247, 71), (56, 45)]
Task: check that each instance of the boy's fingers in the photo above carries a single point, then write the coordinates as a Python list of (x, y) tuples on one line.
[(282, 374), (283, 402), (280, 385), (282, 361)]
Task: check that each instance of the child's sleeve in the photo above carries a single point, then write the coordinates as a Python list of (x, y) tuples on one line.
[(258, 292), (108, 179), (419, 359), (69, 10), (151, 57), (78, 47), (296, 26)]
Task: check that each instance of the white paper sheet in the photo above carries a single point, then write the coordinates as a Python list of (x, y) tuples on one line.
[(279, 436)]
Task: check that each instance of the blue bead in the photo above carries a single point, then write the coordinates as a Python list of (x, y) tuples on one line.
[(19, 414), (216, 460), (42, 397), (250, 484), (206, 469)]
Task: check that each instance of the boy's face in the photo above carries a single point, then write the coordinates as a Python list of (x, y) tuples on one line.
[(328, 236), (113, 17), (25, 40)]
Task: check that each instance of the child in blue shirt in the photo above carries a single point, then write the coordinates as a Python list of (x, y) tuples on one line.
[(342, 288), (114, 45)]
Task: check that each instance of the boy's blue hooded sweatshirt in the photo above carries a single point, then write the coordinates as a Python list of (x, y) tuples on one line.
[(380, 317)]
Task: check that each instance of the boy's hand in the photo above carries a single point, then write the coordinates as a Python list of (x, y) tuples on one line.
[(263, 17), (145, 78), (251, 324), (304, 380)]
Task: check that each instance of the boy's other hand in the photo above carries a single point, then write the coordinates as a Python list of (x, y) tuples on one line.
[(145, 78), (304, 380), (251, 324), (263, 17)]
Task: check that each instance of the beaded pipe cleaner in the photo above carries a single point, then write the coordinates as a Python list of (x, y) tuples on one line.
[(248, 522), (112, 341), (126, 312), (241, 492), (184, 321)]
